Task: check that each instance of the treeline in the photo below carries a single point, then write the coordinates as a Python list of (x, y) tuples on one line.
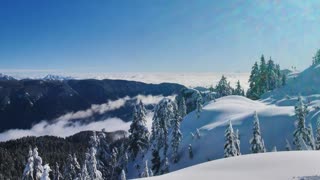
[(264, 77)]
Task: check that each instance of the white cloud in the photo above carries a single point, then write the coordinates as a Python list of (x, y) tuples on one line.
[(64, 126)]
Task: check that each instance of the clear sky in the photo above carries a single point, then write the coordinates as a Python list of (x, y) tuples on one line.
[(156, 35)]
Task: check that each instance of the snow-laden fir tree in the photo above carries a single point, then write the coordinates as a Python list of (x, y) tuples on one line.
[(38, 168), (156, 162), (182, 107), (145, 172), (238, 90), (166, 166), (139, 134), (288, 146), (164, 116), (223, 88), (310, 128), (263, 82), (301, 131), (114, 160), (272, 75), (123, 175), (317, 140), (198, 135), (230, 148), (257, 143), (198, 107), (316, 58), (274, 149), (176, 138), (190, 151), (56, 173), (28, 170), (254, 89), (91, 161), (84, 172), (237, 136), (46, 171), (71, 168)]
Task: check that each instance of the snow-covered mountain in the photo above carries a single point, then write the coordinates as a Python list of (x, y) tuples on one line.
[(278, 165), (51, 77), (5, 77)]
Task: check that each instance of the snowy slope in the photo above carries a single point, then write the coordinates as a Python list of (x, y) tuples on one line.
[(266, 166), (277, 124)]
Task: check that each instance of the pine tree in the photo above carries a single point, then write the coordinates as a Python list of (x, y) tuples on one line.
[(263, 86), (288, 146), (70, 171), (166, 166), (239, 90), (84, 172), (190, 151), (272, 75), (56, 173), (223, 88), (46, 171), (254, 81), (182, 107), (145, 172), (91, 161), (230, 149), (198, 135), (38, 168), (139, 134), (123, 175), (317, 140), (199, 107), (164, 116), (301, 111), (28, 170), (316, 58), (257, 143), (237, 142), (176, 138), (156, 162)]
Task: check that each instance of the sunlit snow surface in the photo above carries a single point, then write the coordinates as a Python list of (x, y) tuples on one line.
[(266, 166)]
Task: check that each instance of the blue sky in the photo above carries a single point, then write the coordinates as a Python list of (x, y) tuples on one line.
[(156, 35)]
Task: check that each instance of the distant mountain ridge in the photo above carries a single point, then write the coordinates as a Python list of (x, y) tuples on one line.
[(27, 102)]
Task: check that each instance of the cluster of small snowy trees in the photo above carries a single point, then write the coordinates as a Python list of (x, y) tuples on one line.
[(264, 77), (223, 88), (316, 58), (232, 140)]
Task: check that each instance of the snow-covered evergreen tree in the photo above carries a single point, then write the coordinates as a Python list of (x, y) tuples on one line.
[(156, 162), (190, 151), (139, 134), (317, 140), (288, 146), (230, 149), (123, 175), (257, 143), (28, 170), (301, 111), (263, 82), (199, 107), (166, 166), (237, 142), (46, 171), (70, 170), (274, 149), (254, 89), (182, 107), (272, 75), (198, 135), (93, 172), (145, 172), (238, 90), (316, 58), (56, 173), (164, 116), (38, 168), (84, 172), (223, 88), (176, 138)]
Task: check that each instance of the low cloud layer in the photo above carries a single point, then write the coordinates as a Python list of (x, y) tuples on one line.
[(64, 126)]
